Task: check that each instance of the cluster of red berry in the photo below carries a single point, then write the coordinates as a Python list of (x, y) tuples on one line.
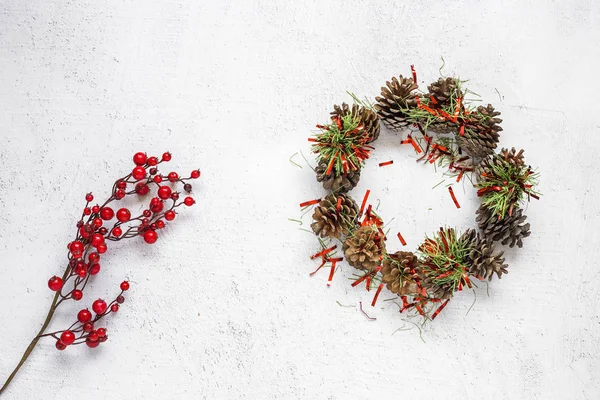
[(92, 236)]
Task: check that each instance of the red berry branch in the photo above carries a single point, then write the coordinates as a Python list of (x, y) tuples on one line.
[(94, 230)]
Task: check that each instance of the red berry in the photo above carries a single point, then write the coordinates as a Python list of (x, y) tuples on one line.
[(156, 205), (124, 286), (60, 345), (101, 332), (88, 327), (122, 185), (99, 306), (153, 171), (189, 201), (147, 213), (94, 269), (93, 257), (142, 189), (119, 194), (138, 173), (157, 179), (97, 239), (103, 339), (81, 272), (150, 237), (76, 246), (87, 211), (175, 196), (139, 158), (67, 337), (152, 161), (164, 192), (92, 343), (123, 215), (96, 209), (103, 231), (77, 294), (114, 308), (195, 174), (97, 222), (170, 215), (173, 176), (55, 283), (166, 156), (120, 299), (102, 248), (187, 187), (160, 224), (117, 231), (84, 316), (89, 197), (107, 213)]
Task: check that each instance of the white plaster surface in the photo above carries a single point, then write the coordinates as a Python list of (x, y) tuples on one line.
[(222, 307)]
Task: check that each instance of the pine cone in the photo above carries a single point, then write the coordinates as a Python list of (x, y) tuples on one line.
[(513, 159), (444, 90), (337, 184), (364, 249), (331, 222), (436, 290), (483, 262), (397, 98), (366, 117), (443, 127), (481, 132), (510, 230), (399, 274)]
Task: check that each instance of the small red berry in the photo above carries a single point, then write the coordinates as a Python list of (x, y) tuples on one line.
[(93, 257), (195, 174), (88, 327), (97, 222), (84, 316), (55, 283), (99, 306), (153, 171), (156, 205), (102, 248), (173, 176), (138, 173), (117, 231), (123, 215), (103, 339), (119, 194), (160, 224), (164, 192), (189, 201), (147, 213), (124, 286), (92, 343), (94, 269), (142, 189), (101, 332), (77, 295), (150, 237), (175, 196), (103, 231), (120, 299), (157, 179), (87, 211), (107, 213), (60, 345), (114, 308), (152, 161), (67, 337), (96, 209), (166, 156), (76, 246), (187, 187), (139, 158), (122, 185), (170, 215), (97, 239), (81, 272), (89, 197)]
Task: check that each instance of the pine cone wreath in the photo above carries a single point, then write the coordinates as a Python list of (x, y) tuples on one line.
[(337, 184), (366, 117), (509, 230), (484, 263), (364, 249), (333, 222), (481, 135), (397, 97), (399, 273), (444, 91)]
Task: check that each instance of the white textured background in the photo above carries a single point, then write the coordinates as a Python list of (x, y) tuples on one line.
[(222, 306)]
